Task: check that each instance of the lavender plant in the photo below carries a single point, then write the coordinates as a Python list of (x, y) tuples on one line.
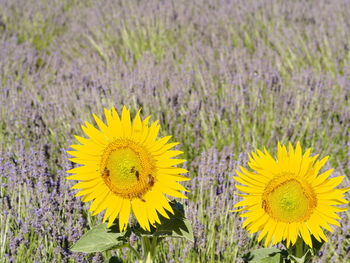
[(225, 76)]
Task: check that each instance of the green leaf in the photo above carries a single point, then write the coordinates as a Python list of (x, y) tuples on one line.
[(264, 255), (297, 260), (305, 258), (99, 239), (176, 226)]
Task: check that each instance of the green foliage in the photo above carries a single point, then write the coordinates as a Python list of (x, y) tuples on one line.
[(264, 255), (38, 29), (131, 42), (298, 253), (177, 226), (100, 238), (204, 76), (302, 253)]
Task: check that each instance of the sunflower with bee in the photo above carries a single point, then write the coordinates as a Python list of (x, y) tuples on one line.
[(125, 168)]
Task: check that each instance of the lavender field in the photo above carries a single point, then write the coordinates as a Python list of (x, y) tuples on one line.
[(223, 77)]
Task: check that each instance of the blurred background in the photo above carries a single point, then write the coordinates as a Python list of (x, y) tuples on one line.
[(222, 77)]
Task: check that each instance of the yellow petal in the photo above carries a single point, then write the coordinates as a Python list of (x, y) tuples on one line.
[(113, 203), (126, 122), (124, 215), (169, 162), (305, 234), (140, 211), (137, 127)]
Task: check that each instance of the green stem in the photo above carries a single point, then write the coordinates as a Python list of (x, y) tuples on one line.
[(107, 254), (135, 251), (149, 245), (299, 251)]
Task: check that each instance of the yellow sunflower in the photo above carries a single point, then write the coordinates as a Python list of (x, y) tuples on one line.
[(287, 197), (126, 168)]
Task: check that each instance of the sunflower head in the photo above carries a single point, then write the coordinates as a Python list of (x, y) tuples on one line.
[(287, 196), (125, 167)]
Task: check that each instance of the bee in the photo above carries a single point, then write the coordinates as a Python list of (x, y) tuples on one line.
[(105, 172), (105, 175), (136, 172), (150, 180), (263, 204), (140, 197)]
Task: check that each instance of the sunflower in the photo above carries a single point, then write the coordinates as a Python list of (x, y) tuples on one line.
[(126, 168), (287, 197)]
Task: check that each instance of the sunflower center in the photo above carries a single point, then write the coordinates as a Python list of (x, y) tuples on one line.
[(123, 166), (289, 199), (127, 169)]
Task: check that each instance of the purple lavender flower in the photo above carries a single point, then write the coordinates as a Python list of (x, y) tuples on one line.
[(223, 77)]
